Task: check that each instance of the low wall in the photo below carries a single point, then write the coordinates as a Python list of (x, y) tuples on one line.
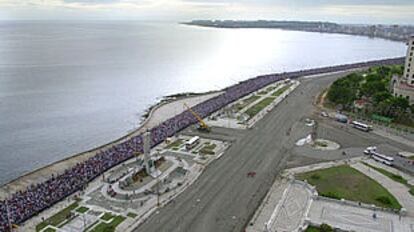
[(206, 108), (317, 197)]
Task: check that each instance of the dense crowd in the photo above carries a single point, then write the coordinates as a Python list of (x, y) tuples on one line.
[(23, 205)]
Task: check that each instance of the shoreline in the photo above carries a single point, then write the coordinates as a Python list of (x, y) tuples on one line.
[(41, 174), (104, 160), (401, 40), (59, 166)]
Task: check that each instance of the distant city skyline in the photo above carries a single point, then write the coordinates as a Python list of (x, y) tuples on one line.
[(341, 11)]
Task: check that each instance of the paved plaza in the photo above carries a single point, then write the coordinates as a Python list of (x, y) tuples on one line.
[(290, 212), (353, 218), (291, 205)]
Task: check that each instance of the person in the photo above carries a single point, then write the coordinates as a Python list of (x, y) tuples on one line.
[(36, 198)]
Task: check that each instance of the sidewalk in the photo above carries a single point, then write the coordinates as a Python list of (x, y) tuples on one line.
[(399, 191), (408, 177), (353, 218)]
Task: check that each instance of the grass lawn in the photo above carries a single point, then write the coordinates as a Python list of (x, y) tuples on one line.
[(58, 218), (322, 228), (132, 215), (82, 209), (247, 101), (252, 111), (411, 157), (208, 149), (50, 230), (108, 227), (281, 90), (174, 144), (264, 92), (312, 229), (392, 176), (107, 216), (347, 183)]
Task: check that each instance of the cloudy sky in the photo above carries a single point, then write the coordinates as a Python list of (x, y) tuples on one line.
[(343, 11)]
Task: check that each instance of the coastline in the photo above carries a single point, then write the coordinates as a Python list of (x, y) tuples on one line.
[(40, 174), (105, 160), (222, 26)]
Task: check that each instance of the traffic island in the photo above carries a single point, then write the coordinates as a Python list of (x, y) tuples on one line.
[(245, 112)]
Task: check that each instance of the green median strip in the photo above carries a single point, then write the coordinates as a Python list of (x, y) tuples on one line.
[(208, 149), (175, 144), (58, 218), (246, 102), (345, 182), (107, 216), (281, 90), (252, 111), (109, 227), (82, 209), (393, 177)]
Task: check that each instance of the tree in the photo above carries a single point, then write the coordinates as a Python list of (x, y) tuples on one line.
[(400, 102), (369, 88), (326, 228), (343, 91), (381, 96)]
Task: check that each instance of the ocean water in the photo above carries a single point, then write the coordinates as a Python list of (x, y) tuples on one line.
[(66, 87)]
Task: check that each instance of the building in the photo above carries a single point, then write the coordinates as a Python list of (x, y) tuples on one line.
[(404, 86)]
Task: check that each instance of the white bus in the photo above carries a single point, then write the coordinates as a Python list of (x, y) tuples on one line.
[(361, 126), (370, 150), (190, 144), (382, 158)]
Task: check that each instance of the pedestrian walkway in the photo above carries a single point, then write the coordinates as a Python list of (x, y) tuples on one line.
[(352, 218), (408, 177), (399, 190)]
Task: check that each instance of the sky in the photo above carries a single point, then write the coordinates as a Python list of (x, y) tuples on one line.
[(341, 11)]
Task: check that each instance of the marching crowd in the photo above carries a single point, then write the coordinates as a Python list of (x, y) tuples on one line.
[(22, 205)]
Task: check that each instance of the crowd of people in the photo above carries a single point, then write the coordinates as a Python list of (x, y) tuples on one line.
[(27, 203)]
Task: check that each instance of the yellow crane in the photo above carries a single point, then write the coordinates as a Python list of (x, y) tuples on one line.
[(203, 125)]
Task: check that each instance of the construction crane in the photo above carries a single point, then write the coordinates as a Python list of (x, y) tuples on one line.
[(202, 125)]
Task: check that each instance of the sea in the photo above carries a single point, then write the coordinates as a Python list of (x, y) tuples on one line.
[(69, 86)]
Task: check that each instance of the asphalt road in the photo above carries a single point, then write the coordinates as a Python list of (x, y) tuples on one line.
[(224, 198)]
